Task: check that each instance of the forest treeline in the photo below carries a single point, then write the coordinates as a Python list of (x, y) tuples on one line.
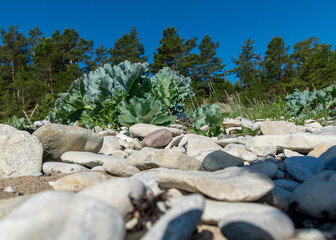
[(34, 69)]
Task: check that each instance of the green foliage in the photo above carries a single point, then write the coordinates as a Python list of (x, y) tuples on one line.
[(307, 104), (21, 124), (144, 110), (208, 115), (172, 89), (86, 95), (244, 131), (107, 116)]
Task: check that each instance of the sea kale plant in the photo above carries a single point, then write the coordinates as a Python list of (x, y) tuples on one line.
[(172, 89), (144, 110), (123, 95), (208, 115), (307, 104), (87, 96)]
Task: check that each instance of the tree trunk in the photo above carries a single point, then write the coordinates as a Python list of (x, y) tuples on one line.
[(51, 80)]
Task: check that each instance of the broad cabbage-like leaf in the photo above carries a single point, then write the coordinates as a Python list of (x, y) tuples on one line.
[(144, 110), (69, 106), (172, 88)]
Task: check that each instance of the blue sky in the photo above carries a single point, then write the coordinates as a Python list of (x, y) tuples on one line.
[(230, 23)]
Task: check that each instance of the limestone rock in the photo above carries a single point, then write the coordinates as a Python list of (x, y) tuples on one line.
[(230, 184), (110, 144), (142, 130), (167, 158), (119, 169), (319, 150), (20, 153), (89, 159), (57, 139), (78, 181), (49, 167), (278, 128), (302, 143)]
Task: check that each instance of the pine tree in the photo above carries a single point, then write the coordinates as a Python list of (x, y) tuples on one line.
[(247, 65), (175, 52), (210, 68), (128, 47)]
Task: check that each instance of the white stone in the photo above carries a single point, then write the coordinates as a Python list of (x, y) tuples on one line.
[(119, 169), (278, 128), (110, 143), (302, 143), (20, 153), (50, 167), (289, 153), (167, 158), (78, 181), (89, 159)]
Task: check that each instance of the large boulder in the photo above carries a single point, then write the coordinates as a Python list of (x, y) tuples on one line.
[(20, 153), (58, 139)]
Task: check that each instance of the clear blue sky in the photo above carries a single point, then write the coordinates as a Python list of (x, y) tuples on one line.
[(230, 23)]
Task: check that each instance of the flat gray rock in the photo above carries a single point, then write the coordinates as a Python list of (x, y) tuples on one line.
[(179, 221), (62, 215), (90, 159), (316, 197), (303, 168), (120, 169), (148, 158), (230, 184), (49, 167), (20, 153)]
